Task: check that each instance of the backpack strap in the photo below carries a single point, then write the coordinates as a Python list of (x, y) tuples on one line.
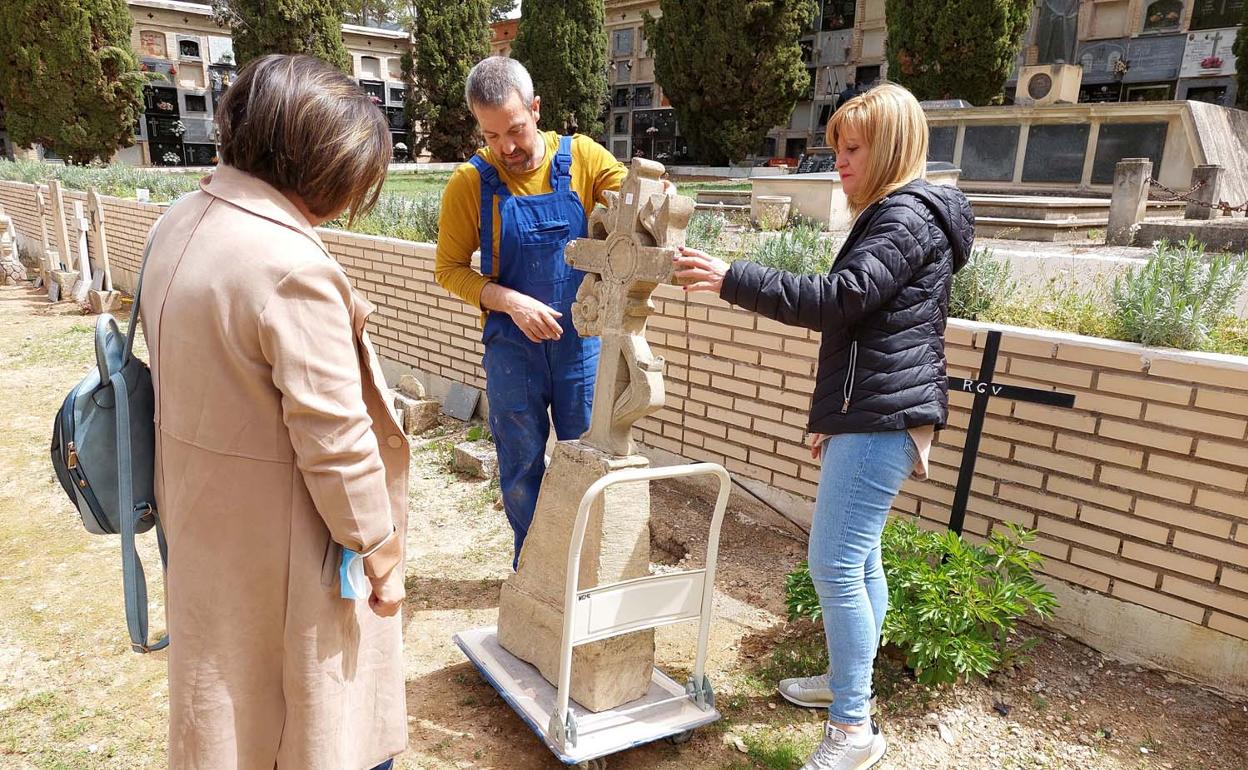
[(133, 580)]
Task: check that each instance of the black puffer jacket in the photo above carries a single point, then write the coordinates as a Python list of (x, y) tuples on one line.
[(882, 310)]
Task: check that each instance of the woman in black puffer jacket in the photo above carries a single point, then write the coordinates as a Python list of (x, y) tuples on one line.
[(880, 391)]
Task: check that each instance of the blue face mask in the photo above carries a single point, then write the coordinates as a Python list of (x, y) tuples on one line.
[(351, 576)]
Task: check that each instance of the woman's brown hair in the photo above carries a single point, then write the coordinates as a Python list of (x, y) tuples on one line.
[(304, 127), (889, 120)]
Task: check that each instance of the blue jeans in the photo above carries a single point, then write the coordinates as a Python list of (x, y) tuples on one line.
[(861, 474)]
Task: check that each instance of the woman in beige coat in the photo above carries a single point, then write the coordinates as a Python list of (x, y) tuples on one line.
[(276, 448)]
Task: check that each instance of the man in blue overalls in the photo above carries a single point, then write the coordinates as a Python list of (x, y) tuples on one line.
[(521, 200)]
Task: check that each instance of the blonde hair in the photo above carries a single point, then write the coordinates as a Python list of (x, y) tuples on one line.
[(889, 120)]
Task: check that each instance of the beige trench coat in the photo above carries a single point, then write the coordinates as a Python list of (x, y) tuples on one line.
[(274, 444)]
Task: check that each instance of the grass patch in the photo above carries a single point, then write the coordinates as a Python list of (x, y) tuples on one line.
[(800, 654), (71, 344), (777, 750), (417, 183)]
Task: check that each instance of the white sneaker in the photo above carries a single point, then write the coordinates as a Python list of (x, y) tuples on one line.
[(812, 692), (807, 691), (837, 751)]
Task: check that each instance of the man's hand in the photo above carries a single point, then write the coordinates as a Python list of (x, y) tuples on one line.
[(536, 319)]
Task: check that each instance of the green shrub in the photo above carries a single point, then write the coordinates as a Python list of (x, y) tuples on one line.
[(705, 230), (983, 283), (1178, 296), (802, 249), (953, 606), (410, 217), (119, 181)]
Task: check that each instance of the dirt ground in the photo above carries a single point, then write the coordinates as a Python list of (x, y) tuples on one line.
[(73, 697)]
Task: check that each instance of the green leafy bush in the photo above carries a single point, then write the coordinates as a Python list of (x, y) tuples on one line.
[(410, 217), (802, 249), (1178, 296), (982, 283), (953, 606)]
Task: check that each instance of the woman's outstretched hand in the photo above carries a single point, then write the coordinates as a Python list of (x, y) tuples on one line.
[(699, 271)]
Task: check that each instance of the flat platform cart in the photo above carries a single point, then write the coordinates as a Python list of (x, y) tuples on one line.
[(668, 710)]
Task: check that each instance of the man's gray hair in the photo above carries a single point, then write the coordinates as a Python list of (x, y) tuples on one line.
[(492, 81)]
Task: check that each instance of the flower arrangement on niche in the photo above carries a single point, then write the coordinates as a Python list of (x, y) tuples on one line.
[(170, 158), (1211, 63), (178, 128)]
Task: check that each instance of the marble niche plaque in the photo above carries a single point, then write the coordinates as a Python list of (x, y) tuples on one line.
[(1126, 140), (1055, 153), (941, 141), (988, 153)]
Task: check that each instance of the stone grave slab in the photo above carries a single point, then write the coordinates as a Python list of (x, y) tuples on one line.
[(461, 402)]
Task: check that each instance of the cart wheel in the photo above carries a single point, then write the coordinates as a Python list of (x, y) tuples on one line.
[(594, 764), (680, 738)]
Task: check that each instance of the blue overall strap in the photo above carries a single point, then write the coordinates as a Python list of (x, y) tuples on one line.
[(561, 166), (491, 186)]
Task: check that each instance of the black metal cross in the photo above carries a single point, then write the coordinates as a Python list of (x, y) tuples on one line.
[(984, 388)]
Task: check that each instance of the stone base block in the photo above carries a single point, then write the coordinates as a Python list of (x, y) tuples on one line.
[(477, 458), (65, 280), (605, 674), (419, 415), (104, 301), (614, 671)]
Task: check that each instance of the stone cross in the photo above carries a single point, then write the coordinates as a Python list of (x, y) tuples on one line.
[(627, 255), (105, 299), (47, 258), (83, 226), (41, 204), (59, 231), (64, 276)]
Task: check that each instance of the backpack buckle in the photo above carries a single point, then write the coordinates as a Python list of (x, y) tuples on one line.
[(141, 648), (146, 508)]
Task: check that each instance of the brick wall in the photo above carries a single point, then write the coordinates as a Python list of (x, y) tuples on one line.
[(126, 223), (1139, 493)]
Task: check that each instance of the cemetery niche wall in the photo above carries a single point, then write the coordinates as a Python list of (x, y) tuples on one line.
[(1072, 148)]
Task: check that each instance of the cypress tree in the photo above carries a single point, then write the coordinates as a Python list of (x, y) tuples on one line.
[(955, 49), (1241, 60), (450, 38), (739, 76), (563, 43), (68, 77), (262, 27)]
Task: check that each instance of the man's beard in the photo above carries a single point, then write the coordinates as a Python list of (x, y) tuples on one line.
[(521, 165)]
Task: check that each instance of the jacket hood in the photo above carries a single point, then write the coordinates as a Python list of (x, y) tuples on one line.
[(953, 216)]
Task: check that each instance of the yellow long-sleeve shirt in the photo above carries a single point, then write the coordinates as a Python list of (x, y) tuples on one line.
[(594, 172)]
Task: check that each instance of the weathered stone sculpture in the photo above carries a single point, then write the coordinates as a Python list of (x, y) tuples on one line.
[(628, 253), (12, 271)]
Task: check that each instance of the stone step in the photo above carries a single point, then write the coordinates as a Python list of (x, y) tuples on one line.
[(726, 208), (1044, 208), (1041, 230), (724, 196)]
